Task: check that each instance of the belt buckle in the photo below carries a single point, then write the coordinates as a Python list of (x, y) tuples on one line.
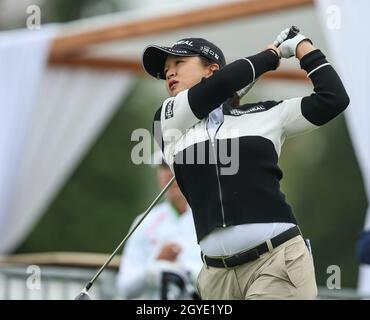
[(225, 265), (203, 256)]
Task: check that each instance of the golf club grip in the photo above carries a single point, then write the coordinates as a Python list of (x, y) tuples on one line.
[(293, 31)]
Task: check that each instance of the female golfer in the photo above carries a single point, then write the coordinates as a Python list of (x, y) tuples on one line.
[(225, 158)]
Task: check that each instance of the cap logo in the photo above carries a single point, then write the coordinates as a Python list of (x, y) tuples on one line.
[(177, 51), (187, 42), (207, 51)]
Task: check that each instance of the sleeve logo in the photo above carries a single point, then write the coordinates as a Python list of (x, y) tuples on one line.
[(169, 110), (254, 109)]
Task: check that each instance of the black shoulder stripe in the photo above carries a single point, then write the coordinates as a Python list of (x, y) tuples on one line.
[(210, 93)]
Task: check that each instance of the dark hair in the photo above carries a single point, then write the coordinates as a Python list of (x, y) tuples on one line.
[(235, 100), (206, 62)]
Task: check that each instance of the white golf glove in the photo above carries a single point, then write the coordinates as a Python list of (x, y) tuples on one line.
[(288, 47)]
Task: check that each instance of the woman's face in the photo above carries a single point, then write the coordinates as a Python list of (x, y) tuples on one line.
[(184, 72)]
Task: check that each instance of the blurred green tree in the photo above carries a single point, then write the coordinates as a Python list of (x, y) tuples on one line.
[(324, 185)]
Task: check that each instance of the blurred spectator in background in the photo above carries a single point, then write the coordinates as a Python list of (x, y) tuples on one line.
[(162, 259)]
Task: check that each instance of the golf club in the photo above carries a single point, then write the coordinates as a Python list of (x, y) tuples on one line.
[(83, 295)]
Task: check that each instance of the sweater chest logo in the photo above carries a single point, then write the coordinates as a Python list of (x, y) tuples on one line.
[(169, 110), (253, 109)]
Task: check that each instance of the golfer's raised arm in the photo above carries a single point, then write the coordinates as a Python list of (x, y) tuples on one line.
[(328, 100), (330, 97), (190, 106)]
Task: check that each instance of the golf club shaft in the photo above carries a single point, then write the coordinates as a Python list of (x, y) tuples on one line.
[(90, 283)]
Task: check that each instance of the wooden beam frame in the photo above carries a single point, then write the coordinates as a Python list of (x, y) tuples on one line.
[(61, 259), (70, 44), (136, 67), (102, 63), (68, 50)]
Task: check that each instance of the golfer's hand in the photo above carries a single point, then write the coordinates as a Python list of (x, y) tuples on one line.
[(169, 252), (303, 48), (288, 47)]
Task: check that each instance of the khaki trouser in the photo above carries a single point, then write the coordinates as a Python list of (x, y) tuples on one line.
[(286, 272)]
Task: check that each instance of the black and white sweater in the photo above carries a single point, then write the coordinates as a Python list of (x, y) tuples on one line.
[(252, 134)]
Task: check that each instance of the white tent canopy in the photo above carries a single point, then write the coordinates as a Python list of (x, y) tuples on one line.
[(50, 117)]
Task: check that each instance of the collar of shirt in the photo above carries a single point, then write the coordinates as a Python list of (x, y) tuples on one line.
[(215, 120)]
